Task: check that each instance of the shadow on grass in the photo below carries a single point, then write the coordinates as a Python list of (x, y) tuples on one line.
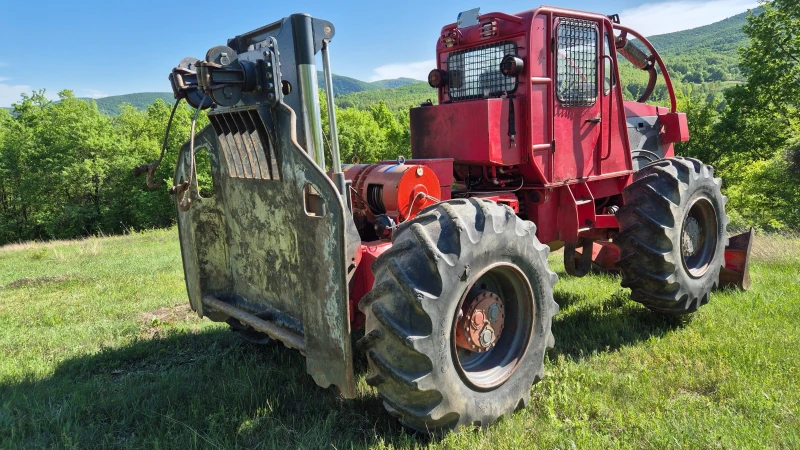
[(204, 389), (210, 389), (583, 328)]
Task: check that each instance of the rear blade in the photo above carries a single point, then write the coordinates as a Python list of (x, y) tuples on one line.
[(737, 262)]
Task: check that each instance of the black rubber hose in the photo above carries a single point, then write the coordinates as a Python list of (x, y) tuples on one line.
[(651, 85)]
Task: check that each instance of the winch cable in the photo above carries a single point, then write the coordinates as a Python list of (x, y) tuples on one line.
[(150, 169), (186, 203)]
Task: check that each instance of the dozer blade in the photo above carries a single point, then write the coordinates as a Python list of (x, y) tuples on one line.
[(737, 262)]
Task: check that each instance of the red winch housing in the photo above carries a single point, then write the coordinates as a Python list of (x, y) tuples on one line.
[(384, 195), (398, 190)]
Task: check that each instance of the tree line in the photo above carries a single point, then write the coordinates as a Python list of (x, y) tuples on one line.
[(66, 167), (751, 131)]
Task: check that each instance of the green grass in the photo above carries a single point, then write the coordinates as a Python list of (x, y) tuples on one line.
[(98, 349)]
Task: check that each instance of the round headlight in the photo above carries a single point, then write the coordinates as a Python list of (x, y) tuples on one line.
[(511, 66), (437, 78)]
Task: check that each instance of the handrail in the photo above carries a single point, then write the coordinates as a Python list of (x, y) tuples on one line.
[(672, 99)]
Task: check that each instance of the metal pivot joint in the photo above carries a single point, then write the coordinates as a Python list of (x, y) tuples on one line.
[(225, 79)]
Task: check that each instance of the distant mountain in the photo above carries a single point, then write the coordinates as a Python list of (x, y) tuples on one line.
[(396, 83), (723, 37), (345, 85), (705, 54), (402, 97), (141, 100), (341, 86)]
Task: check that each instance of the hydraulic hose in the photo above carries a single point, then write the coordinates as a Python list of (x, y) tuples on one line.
[(640, 60)]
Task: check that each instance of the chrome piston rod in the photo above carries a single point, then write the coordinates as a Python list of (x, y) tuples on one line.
[(338, 175)]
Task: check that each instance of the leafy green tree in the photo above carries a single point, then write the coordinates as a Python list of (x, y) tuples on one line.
[(772, 61), (398, 142), (702, 116), (361, 139), (754, 134)]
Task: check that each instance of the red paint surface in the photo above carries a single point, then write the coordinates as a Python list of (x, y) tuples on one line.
[(363, 279), (563, 168)]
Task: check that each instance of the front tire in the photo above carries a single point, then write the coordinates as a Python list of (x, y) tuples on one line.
[(672, 235), (453, 253)]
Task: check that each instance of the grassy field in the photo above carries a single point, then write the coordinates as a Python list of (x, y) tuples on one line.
[(99, 349)]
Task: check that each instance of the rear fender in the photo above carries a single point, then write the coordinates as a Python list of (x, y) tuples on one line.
[(736, 272)]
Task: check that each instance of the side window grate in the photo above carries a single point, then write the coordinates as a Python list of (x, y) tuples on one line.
[(577, 58), (475, 72)]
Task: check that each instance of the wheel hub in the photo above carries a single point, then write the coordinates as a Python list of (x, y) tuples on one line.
[(691, 237), (480, 323)]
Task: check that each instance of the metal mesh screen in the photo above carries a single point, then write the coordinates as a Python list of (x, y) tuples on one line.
[(576, 77), (475, 72)]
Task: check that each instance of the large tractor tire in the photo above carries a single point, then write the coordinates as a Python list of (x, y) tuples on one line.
[(459, 318), (672, 235)]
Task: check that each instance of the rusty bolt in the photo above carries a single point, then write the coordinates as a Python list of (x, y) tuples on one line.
[(487, 336), (494, 311)]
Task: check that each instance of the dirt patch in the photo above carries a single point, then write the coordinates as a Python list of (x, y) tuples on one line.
[(38, 281), (156, 321)]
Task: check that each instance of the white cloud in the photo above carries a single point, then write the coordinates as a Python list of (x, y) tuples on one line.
[(654, 18), (416, 70), (11, 93), (92, 93)]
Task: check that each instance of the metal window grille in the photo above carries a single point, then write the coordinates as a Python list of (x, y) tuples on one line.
[(577, 59), (475, 72)]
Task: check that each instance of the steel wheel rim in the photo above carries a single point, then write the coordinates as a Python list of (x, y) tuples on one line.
[(489, 370), (699, 237)]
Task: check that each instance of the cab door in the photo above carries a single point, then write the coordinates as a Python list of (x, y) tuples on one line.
[(578, 118)]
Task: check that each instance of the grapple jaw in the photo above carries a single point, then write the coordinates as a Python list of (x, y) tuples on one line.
[(736, 272), (273, 246)]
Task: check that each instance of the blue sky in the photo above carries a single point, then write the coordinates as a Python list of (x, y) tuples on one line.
[(100, 48)]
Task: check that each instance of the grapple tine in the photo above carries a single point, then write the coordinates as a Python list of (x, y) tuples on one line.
[(737, 262)]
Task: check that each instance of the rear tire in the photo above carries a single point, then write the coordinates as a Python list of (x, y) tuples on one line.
[(672, 235), (452, 251)]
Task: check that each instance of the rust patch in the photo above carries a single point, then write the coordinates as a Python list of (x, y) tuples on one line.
[(37, 281)]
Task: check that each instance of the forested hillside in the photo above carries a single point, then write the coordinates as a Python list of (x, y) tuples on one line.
[(395, 99), (113, 105), (704, 54)]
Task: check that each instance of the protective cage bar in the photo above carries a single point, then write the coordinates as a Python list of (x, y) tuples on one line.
[(576, 75), (475, 72)]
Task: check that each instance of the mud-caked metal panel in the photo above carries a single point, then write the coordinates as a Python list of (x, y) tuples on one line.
[(255, 245)]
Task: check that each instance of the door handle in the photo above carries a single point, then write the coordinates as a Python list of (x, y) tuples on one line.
[(595, 120)]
